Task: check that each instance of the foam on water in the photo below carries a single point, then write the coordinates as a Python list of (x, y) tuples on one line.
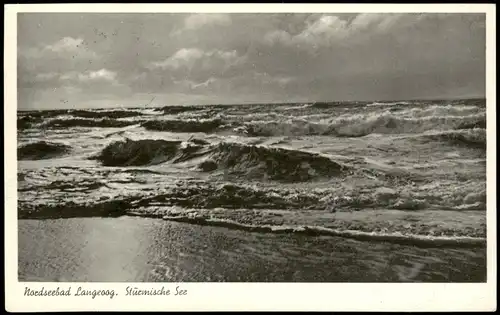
[(231, 163)]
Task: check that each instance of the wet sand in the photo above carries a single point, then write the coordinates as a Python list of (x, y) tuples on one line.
[(153, 250)]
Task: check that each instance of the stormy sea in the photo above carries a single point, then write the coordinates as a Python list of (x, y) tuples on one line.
[(302, 192)]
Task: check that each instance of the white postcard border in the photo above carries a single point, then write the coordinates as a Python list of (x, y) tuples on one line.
[(249, 296)]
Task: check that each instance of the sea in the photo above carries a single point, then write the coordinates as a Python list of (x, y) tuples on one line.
[(296, 192)]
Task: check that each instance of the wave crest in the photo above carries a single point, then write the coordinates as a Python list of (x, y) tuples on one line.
[(171, 110), (184, 125), (91, 123), (42, 150), (27, 122), (233, 158), (475, 138), (361, 125), (139, 152), (274, 163), (397, 237), (104, 114)]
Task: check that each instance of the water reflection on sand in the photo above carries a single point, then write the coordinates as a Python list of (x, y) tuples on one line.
[(141, 249)]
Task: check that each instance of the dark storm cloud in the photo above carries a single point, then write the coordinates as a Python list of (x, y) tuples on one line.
[(109, 59)]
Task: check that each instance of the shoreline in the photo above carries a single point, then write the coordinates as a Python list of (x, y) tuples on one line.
[(145, 249), (418, 240)]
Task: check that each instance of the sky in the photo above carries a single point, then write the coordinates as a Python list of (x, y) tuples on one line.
[(101, 60)]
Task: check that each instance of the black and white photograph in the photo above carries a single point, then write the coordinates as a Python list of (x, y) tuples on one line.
[(274, 147)]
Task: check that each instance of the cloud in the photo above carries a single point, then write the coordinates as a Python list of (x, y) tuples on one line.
[(65, 44), (322, 31), (183, 57), (196, 21), (278, 36), (329, 29), (102, 78), (201, 21), (189, 58), (248, 57), (42, 77), (265, 79), (100, 75), (374, 21), (66, 48), (325, 28)]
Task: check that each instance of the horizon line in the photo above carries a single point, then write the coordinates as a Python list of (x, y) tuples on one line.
[(263, 103)]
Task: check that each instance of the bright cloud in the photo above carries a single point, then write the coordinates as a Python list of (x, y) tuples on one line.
[(328, 29), (196, 21), (320, 32), (183, 57), (379, 22), (66, 44), (66, 48), (325, 28), (100, 75), (189, 57)]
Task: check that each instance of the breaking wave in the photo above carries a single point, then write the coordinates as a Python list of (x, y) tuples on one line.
[(237, 159), (238, 185), (170, 110), (362, 125), (325, 105), (113, 208), (184, 125), (91, 123), (441, 111), (194, 195), (45, 113), (423, 234), (42, 150), (475, 138), (272, 163), (397, 237), (480, 123), (251, 195), (284, 128), (104, 114), (27, 122), (140, 152), (387, 103), (246, 208)]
